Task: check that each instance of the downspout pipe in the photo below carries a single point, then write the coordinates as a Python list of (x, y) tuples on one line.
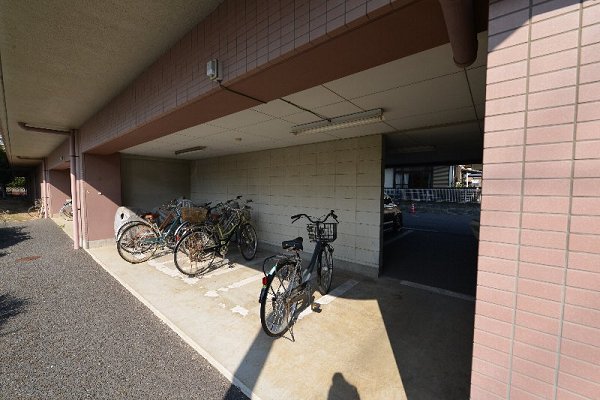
[(460, 23), (45, 197), (74, 192)]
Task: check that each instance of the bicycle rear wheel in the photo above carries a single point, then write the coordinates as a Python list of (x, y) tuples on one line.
[(195, 252), (325, 270), (247, 241), (276, 309), (137, 243)]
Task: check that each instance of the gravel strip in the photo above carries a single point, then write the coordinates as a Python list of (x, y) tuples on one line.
[(68, 330)]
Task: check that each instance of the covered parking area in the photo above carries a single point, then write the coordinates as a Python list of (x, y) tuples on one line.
[(154, 114)]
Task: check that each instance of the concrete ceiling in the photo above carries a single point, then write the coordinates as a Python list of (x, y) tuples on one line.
[(429, 104), (61, 61)]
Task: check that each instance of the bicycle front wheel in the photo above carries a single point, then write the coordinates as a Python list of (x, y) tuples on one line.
[(195, 252), (67, 213), (137, 243), (276, 308), (325, 270), (247, 241), (34, 211)]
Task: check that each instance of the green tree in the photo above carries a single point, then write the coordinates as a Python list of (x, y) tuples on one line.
[(17, 182)]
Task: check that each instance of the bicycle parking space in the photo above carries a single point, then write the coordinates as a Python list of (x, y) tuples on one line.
[(366, 338)]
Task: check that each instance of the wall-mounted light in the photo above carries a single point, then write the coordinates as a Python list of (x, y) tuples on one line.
[(214, 70), (341, 122), (189, 150)]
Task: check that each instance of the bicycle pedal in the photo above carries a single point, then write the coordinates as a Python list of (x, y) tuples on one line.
[(316, 307)]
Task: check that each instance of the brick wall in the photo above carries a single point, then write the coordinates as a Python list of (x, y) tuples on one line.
[(343, 175), (244, 36), (537, 325)]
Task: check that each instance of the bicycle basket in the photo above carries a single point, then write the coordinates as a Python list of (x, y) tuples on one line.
[(194, 215), (324, 231)]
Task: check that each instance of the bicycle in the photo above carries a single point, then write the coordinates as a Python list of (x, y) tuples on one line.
[(196, 250), (66, 211), (37, 209), (137, 240), (288, 284)]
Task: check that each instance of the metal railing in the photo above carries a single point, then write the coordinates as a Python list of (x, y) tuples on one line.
[(450, 195)]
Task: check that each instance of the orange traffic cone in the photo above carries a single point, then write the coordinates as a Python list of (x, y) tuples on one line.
[(412, 208)]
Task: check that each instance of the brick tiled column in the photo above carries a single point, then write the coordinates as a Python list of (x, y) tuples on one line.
[(537, 324)]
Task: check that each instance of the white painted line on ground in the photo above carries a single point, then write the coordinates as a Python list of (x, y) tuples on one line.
[(161, 267), (244, 282), (328, 298), (403, 234), (221, 271), (200, 350), (438, 290), (240, 310)]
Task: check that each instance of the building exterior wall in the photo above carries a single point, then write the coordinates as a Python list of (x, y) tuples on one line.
[(60, 157), (59, 188), (343, 175), (149, 182), (260, 45), (101, 196), (537, 323)]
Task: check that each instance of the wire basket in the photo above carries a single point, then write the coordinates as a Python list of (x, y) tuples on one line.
[(193, 215), (323, 231)]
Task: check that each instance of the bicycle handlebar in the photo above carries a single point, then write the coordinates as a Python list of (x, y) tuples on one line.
[(316, 220)]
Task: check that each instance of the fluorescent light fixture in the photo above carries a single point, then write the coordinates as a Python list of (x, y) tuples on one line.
[(189, 150), (341, 122)]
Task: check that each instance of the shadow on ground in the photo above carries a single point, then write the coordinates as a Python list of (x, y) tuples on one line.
[(10, 236), (10, 306)]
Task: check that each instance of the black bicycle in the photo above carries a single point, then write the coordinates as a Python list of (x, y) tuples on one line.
[(287, 285)]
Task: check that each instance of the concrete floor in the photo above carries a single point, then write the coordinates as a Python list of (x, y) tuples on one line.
[(373, 339)]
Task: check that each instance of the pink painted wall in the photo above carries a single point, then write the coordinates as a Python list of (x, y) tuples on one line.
[(59, 188), (537, 323), (101, 194), (60, 157)]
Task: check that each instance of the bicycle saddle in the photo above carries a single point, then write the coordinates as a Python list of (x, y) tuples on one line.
[(295, 244)]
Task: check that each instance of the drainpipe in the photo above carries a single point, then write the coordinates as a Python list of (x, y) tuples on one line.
[(460, 23), (45, 196), (74, 194)]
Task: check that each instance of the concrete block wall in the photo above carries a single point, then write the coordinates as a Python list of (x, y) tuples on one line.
[(343, 175), (537, 324), (149, 182)]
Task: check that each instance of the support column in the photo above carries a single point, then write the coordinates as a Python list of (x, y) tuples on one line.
[(537, 323), (74, 193)]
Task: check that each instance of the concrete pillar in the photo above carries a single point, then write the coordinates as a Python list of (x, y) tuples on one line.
[(537, 323), (101, 189)]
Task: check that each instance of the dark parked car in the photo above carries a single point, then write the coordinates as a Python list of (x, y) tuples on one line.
[(392, 215)]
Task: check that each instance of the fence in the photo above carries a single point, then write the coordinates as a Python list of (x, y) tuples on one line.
[(450, 195)]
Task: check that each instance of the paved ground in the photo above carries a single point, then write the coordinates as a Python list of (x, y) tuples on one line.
[(433, 249), (68, 330)]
